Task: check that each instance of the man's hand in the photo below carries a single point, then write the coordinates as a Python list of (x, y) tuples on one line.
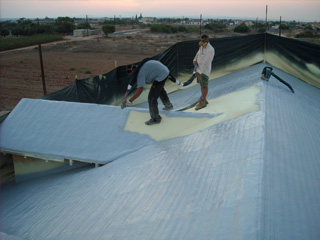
[(125, 104), (128, 103), (197, 74)]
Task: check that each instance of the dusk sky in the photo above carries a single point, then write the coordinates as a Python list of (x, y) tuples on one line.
[(299, 10)]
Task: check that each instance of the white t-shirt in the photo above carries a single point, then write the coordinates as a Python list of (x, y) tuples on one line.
[(204, 58)]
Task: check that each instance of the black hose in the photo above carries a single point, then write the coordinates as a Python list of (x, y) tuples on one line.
[(284, 82), (190, 80)]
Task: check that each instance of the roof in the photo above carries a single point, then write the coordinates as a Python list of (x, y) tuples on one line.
[(253, 175)]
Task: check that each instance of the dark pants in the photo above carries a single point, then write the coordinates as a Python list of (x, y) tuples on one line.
[(156, 91)]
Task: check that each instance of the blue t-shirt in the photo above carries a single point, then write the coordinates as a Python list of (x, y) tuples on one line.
[(151, 71)]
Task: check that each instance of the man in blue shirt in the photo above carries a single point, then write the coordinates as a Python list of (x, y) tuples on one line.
[(156, 73)]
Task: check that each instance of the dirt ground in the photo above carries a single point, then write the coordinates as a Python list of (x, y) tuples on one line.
[(20, 72)]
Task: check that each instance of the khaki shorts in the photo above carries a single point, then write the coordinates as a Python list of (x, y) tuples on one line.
[(203, 80)]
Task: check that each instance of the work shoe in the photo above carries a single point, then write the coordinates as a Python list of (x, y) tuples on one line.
[(201, 104), (168, 107), (152, 121), (201, 98)]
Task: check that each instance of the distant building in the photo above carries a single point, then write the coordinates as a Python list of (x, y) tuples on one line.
[(248, 23), (197, 22), (238, 22), (315, 25), (147, 20)]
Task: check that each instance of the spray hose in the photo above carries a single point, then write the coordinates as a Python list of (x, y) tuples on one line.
[(267, 73)]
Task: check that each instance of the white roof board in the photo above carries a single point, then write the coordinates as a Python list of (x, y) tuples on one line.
[(54, 130)]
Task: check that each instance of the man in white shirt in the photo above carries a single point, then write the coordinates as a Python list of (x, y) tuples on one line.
[(203, 59)]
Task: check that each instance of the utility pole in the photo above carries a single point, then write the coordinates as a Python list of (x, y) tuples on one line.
[(266, 19), (87, 26), (280, 28), (42, 71), (265, 34), (200, 23)]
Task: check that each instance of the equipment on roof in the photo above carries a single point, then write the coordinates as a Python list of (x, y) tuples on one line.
[(267, 73)]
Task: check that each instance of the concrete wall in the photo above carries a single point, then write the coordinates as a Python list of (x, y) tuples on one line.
[(85, 32)]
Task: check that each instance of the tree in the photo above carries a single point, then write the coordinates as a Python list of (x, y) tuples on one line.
[(46, 28), (23, 23), (64, 25), (242, 29), (107, 28), (17, 31), (4, 32), (284, 27), (84, 25), (24, 27)]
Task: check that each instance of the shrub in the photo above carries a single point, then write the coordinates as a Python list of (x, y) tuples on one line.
[(242, 29), (215, 27), (284, 27), (182, 29), (163, 28), (4, 32), (18, 42), (84, 25), (306, 34), (107, 28)]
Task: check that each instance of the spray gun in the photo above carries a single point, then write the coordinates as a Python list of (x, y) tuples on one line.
[(267, 73)]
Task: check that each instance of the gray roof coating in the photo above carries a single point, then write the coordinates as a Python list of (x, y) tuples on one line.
[(255, 176)]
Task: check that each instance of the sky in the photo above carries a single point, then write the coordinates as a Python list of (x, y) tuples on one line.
[(299, 10)]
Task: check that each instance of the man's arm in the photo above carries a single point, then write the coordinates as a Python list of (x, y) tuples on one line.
[(136, 94), (195, 62)]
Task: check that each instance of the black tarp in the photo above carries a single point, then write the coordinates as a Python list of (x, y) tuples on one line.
[(296, 51), (299, 58), (109, 88)]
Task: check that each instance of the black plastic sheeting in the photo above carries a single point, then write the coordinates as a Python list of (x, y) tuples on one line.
[(300, 58), (110, 88), (296, 51)]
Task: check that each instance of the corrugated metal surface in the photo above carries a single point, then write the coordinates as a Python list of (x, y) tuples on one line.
[(252, 177), (291, 186)]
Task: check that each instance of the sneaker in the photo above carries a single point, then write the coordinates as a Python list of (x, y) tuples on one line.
[(152, 121), (201, 104), (168, 107)]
